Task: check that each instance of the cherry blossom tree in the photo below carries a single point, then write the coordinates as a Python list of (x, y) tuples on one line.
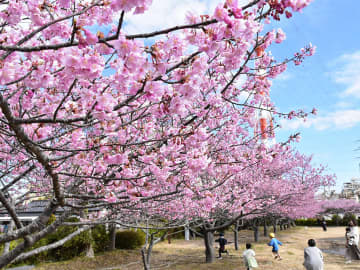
[(284, 185), (339, 206), (124, 122)]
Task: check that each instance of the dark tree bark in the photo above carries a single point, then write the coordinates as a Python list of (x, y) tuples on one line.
[(256, 233), (145, 259), (287, 224), (209, 250), (236, 235), (112, 235), (265, 228), (274, 225), (146, 256)]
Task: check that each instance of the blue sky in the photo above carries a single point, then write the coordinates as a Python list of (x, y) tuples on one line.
[(328, 81)]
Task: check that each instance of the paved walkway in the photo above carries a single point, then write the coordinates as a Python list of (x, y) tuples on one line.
[(25, 267)]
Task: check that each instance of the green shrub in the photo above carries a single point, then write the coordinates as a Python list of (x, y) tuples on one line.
[(100, 238), (306, 222), (72, 248), (347, 217), (129, 239), (177, 233), (336, 220)]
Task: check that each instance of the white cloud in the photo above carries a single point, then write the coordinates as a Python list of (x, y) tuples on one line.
[(284, 76), (344, 104), (347, 72), (337, 120), (168, 13)]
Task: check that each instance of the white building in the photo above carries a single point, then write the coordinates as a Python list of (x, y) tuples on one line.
[(351, 190)]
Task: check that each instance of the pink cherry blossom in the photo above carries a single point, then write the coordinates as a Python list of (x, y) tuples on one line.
[(158, 124)]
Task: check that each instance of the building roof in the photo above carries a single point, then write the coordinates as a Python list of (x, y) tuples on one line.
[(34, 208)]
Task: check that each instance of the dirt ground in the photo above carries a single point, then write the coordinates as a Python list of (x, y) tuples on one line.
[(189, 255)]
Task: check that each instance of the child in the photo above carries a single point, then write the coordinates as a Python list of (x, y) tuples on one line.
[(274, 243), (222, 242), (249, 257)]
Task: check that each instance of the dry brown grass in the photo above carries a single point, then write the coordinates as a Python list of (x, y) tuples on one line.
[(189, 255)]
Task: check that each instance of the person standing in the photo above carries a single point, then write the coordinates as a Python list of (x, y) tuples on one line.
[(274, 243), (354, 230), (249, 257), (323, 224), (313, 258), (352, 250)]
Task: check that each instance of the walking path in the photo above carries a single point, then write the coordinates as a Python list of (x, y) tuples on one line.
[(25, 267)]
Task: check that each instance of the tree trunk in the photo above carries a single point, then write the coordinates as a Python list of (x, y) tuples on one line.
[(265, 228), (89, 252), (236, 235), (187, 232), (256, 233), (209, 250), (112, 235), (274, 226), (193, 235), (147, 248), (169, 238), (145, 259), (146, 254)]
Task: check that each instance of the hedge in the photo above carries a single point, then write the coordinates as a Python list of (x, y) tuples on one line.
[(335, 220), (129, 239)]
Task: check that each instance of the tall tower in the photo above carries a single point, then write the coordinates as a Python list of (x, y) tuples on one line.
[(264, 121)]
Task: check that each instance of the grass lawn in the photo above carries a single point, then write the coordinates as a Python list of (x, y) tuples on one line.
[(189, 255)]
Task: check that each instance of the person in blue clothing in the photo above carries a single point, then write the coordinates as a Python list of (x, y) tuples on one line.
[(274, 243)]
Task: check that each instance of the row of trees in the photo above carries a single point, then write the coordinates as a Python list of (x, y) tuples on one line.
[(144, 130)]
